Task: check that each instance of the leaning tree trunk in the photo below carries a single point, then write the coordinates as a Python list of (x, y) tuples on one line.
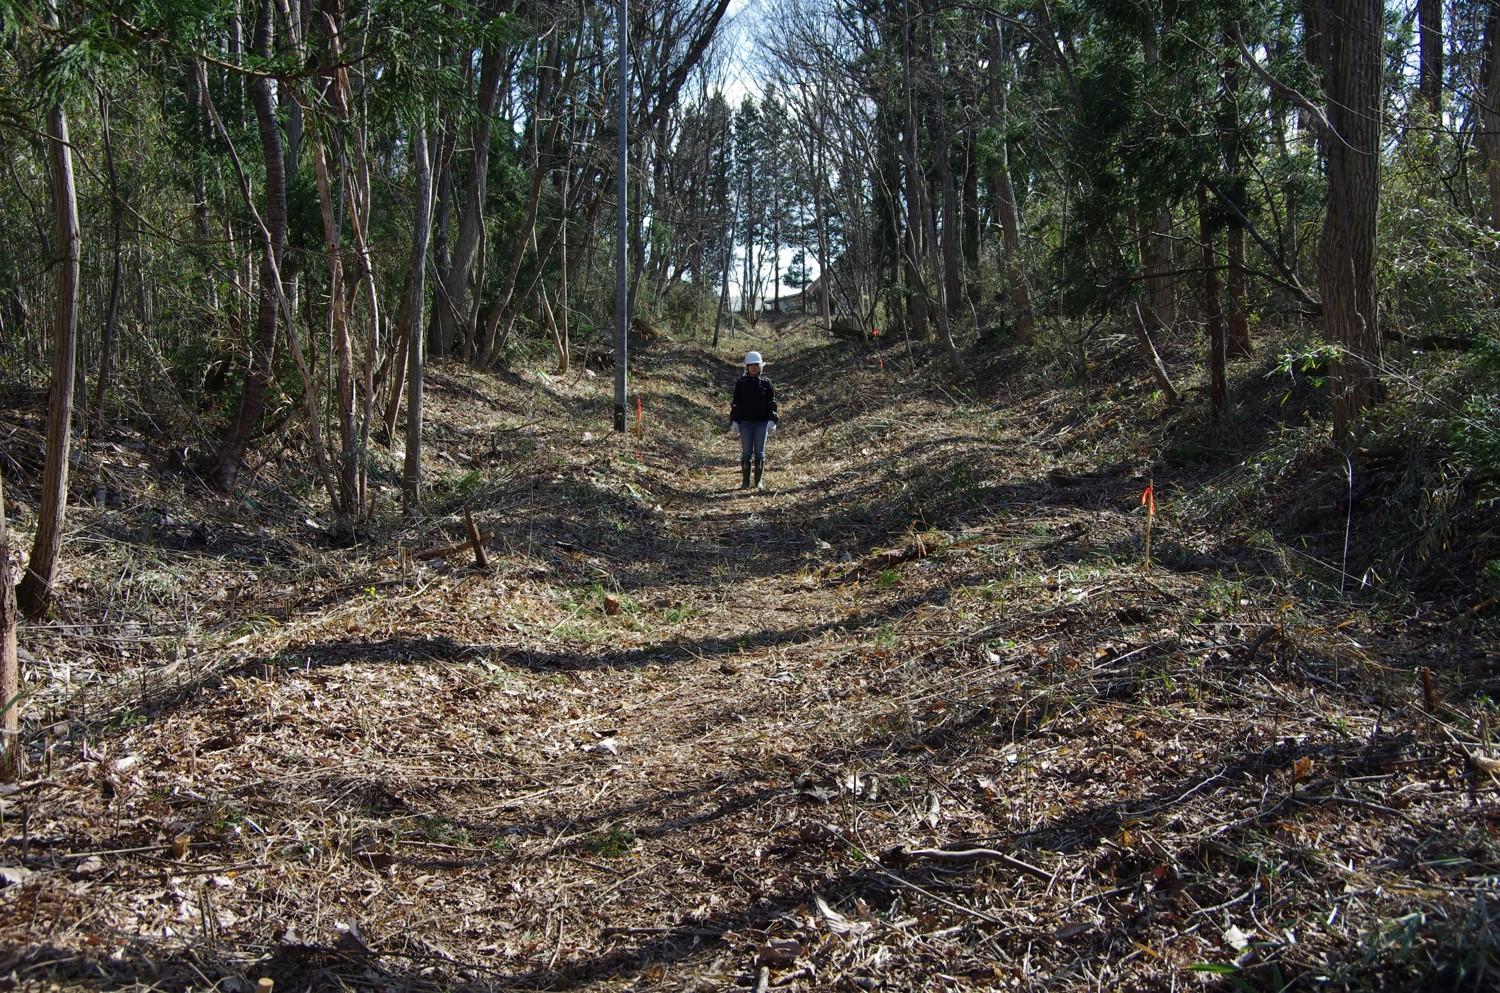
[(231, 455), (1352, 66), (35, 591), (1153, 357)]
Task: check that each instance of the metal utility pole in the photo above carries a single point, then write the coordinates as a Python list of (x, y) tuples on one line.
[(622, 302)]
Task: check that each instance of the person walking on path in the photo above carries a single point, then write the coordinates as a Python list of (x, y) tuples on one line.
[(752, 416)]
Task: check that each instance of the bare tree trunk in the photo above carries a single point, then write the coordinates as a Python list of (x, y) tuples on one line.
[(455, 284), (724, 269), (10, 663), (1157, 248), (564, 349), (436, 325), (972, 228), (543, 146), (916, 183), (35, 591), (1212, 314), (953, 274), (1153, 357), (949, 209), (415, 279), (1239, 310), (343, 349), (946, 268), (411, 322), (288, 313), (112, 307), (1005, 200), (777, 170), (1238, 320), (231, 455), (825, 263)]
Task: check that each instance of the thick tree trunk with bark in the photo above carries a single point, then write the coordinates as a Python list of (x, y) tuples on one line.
[(1238, 321), (35, 591), (1213, 318), (971, 212), (1430, 54), (1489, 110), (1352, 69), (1156, 248)]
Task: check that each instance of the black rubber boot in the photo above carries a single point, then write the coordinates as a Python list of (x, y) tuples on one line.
[(759, 465), (744, 474)]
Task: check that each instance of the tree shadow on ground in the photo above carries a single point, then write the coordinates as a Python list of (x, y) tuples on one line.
[(1251, 773)]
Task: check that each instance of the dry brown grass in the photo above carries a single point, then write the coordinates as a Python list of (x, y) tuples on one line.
[(344, 769)]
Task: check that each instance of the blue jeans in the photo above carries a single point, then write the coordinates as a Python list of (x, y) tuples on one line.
[(753, 439)]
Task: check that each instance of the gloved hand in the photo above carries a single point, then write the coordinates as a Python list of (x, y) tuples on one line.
[(771, 429), (734, 428)]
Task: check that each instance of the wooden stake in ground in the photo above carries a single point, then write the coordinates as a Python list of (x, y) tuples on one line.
[(1148, 500), (476, 540), (10, 665)]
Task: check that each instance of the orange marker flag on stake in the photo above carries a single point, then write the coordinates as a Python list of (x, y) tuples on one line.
[(1148, 500)]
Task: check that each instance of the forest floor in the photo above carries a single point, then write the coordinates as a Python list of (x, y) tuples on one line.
[(914, 717)]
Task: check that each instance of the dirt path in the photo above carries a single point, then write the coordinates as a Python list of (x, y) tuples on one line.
[(681, 733)]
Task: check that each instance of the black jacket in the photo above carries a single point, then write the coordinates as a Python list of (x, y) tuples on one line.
[(754, 400)]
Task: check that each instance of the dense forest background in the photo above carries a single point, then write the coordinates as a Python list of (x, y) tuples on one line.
[(230, 223), (243, 220), (246, 179)]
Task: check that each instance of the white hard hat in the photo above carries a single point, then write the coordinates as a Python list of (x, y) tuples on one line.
[(753, 358)]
